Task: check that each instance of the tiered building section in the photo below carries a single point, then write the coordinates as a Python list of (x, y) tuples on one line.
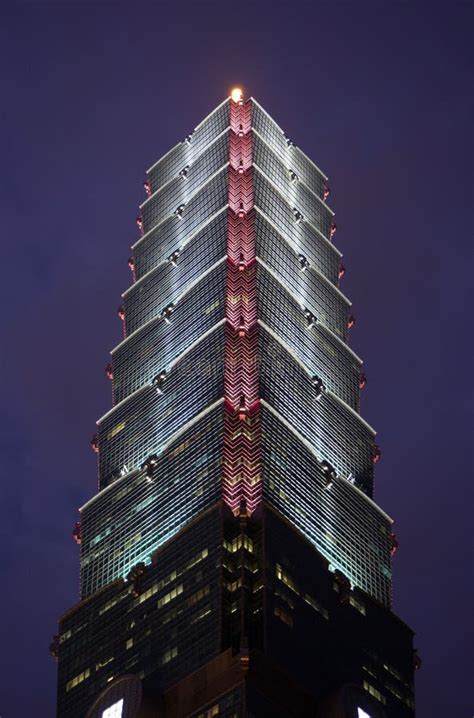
[(233, 561)]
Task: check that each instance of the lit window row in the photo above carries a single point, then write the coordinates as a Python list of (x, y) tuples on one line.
[(358, 605), (375, 693), (174, 593), (239, 542), (317, 606), (78, 679), (173, 576), (169, 655)]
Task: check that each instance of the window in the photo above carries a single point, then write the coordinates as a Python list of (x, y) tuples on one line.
[(169, 655), (114, 711), (286, 578), (375, 693), (170, 596), (317, 606), (78, 679), (357, 605)]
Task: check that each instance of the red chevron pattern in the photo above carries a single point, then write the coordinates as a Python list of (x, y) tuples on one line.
[(240, 152), (240, 191), (240, 118), (240, 237), (241, 482)]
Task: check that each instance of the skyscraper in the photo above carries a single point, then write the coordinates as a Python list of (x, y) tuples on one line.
[(233, 561)]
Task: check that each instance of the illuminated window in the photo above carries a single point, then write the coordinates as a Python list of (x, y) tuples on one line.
[(78, 679), (204, 612), (114, 711), (104, 662), (375, 693), (317, 606), (198, 595), (238, 543), (357, 604), (64, 636), (169, 655), (286, 578), (170, 596), (116, 430)]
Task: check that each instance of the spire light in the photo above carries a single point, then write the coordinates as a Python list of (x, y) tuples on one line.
[(236, 94)]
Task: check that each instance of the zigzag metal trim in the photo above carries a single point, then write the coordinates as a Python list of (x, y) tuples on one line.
[(241, 480), (241, 237)]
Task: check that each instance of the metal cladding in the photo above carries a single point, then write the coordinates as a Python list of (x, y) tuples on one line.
[(234, 372)]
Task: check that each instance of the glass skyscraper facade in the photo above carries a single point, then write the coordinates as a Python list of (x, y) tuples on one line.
[(233, 561)]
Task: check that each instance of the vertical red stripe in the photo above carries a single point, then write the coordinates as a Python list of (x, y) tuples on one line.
[(241, 482)]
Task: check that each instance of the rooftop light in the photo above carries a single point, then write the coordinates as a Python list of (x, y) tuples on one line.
[(236, 94)]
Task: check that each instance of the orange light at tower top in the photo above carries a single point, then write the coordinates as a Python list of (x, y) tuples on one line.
[(236, 94)]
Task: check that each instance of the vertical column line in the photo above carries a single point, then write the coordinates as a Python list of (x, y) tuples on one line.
[(241, 480)]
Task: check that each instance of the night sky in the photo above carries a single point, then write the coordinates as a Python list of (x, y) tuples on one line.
[(375, 93)]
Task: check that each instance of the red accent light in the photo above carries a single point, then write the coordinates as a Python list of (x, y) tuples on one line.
[(362, 381), (140, 224), (326, 192), (121, 312), (109, 372), (95, 444), (76, 533), (147, 188), (376, 454), (341, 272), (350, 321), (333, 230)]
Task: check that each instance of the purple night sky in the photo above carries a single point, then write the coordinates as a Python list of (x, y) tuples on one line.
[(377, 94)]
